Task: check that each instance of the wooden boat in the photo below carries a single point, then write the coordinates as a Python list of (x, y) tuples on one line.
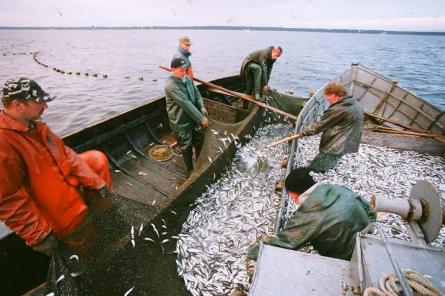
[(318, 275), (147, 189)]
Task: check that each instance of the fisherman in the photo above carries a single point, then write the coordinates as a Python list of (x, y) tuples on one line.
[(256, 70), (184, 53), (328, 217), (44, 185), (341, 125), (186, 111)]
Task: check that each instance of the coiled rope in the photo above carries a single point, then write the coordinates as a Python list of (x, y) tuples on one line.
[(388, 285)]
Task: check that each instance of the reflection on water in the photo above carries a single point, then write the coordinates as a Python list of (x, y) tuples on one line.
[(126, 56)]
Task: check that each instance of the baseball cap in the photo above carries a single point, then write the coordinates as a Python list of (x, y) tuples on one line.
[(25, 89), (178, 62), (185, 40)]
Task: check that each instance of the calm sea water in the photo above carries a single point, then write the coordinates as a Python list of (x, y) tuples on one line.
[(309, 60)]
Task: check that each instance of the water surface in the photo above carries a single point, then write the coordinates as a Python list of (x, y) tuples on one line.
[(309, 60)]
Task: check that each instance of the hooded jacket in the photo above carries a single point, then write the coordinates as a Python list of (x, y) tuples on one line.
[(263, 58), (341, 125), (39, 180)]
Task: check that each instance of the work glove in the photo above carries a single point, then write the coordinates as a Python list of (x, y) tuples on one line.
[(46, 245)]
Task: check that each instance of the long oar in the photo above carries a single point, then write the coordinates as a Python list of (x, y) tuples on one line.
[(394, 122), (241, 96), (390, 130)]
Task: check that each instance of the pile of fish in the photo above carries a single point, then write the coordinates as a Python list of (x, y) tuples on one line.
[(229, 217), (381, 171), (242, 205)]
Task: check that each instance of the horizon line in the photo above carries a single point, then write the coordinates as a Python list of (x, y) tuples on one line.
[(219, 27)]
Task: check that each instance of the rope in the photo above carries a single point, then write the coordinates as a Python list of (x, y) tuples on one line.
[(388, 285)]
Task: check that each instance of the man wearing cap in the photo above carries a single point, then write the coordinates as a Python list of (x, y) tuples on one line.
[(42, 182), (186, 111), (184, 53), (256, 70)]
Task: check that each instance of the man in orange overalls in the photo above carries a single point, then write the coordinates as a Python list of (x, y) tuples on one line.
[(42, 181)]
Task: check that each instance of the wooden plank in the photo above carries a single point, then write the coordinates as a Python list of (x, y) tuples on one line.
[(403, 142)]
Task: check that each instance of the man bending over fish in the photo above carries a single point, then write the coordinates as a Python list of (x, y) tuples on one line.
[(328, 217), (44, 185), (341, 125), (256, 70)]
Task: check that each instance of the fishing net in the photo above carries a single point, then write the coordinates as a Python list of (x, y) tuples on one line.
[(128, 248), (119, 250)]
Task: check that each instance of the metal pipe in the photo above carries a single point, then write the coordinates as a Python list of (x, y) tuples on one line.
[(407, 209), (395, 264)]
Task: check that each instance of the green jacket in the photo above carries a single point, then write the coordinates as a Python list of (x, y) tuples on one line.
[(261, 57), (184, 103), (329, 219), (341, 125)]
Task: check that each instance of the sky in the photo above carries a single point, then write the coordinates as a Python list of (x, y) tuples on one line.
[(400, 15)]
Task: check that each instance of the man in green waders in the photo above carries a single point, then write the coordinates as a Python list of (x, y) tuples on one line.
[(186, 111), (341, 125), (256, 70), (328, 217)]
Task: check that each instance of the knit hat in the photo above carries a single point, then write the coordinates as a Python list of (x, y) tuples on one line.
[(25, 89)]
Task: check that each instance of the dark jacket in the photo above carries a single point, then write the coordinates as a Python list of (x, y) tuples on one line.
[(329, 219), (184, 55), (184, 103), (261, 57), (341, 125)]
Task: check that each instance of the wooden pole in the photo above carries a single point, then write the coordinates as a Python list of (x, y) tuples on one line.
[(287, 139), (241, 96), (390, 130), (394, 122)]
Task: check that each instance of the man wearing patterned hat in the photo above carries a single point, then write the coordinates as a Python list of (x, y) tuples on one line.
[(186, 111), (44, 185), (184, 53)]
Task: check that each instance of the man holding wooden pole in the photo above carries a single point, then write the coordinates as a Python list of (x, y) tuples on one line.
[(256, 70), (186, 111), (341, 125)]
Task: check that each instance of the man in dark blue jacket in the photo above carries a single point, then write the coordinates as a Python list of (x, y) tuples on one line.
[(184, 53)]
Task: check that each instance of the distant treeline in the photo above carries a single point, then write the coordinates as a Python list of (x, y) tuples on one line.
[(229, 28)]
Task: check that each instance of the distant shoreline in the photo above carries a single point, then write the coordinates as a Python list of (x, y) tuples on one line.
[(246, 28)]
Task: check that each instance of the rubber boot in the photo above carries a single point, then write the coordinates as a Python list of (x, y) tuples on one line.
[(187, 155)]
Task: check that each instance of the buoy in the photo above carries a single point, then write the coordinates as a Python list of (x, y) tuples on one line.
[(126, 77), (141, 78), (77, 73), (86, 74), (155, 80), (105, 76), (69, 73), (94, 75)]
